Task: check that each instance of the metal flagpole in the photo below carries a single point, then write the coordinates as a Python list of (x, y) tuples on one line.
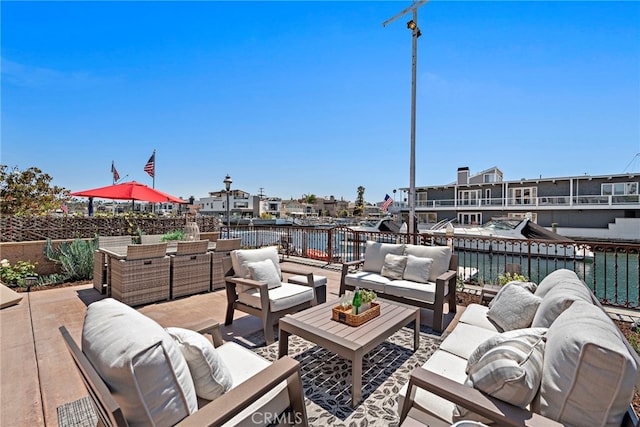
[(415, 33)]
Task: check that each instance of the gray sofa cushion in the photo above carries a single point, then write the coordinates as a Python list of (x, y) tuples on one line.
[(558, 299), (365, 279), (375, 252), (552, 279), (406, 289), (441, 256), (589, 373)]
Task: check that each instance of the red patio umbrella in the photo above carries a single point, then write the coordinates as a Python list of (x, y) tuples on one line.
[(129, 191)]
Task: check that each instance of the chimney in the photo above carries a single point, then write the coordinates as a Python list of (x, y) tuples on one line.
[(463, 175)]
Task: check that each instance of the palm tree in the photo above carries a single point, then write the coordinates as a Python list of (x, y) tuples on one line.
[(309, 198), (359, 201)]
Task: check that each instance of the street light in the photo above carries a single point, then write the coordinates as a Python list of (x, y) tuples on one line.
[(415, 33), (227, 185)]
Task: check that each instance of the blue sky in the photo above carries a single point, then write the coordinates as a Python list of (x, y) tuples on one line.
[(314, 97)]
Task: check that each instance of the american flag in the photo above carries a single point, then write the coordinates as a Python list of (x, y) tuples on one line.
[(114, 171), (388, 201), (150, 167)]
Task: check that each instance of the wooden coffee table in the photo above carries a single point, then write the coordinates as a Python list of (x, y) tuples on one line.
[(352, 343)]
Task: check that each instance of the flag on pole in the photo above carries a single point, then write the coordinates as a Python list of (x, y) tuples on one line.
[(114, 171), (150, 167), (64, 208), (388, 201)]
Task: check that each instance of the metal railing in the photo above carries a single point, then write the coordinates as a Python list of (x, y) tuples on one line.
[(612, 273), (609, 200)]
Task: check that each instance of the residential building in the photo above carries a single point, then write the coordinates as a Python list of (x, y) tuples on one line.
[(599, 207)]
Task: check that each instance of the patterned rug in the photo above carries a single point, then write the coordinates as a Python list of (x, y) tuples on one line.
[(326, 380)]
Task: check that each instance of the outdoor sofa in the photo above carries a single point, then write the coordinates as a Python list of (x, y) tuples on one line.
[(423, 276), (537, 355)]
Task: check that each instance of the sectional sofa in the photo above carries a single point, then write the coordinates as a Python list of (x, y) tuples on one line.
[(537, 355)]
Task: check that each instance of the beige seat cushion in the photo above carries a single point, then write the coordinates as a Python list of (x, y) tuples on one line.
[(140, 362), (285, 296), (588, 374), (465, 339), (406, 289), (368, 280), (476, 314)]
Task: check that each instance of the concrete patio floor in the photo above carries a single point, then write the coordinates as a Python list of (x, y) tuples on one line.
[(36, 371)]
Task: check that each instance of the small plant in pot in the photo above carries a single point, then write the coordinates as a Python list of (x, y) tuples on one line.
[(367, 298)]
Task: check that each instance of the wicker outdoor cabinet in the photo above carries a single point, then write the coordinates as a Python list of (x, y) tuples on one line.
[(190, 269), (143, 277)]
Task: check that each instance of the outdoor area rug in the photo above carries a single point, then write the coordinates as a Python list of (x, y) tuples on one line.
[(326, 380)]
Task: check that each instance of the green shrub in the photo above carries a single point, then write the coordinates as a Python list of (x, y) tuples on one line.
[(173, 235), (75, 258), (15, 274), (505, 278)]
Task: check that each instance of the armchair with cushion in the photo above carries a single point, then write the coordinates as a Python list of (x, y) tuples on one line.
[(257, 288), (138, 373)]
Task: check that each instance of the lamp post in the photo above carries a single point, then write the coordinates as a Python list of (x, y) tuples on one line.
[(227, 185), (415, 33)]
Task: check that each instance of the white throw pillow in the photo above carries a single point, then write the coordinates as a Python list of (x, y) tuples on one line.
[(513, 307), (211, 377), (265, 271), (418, 269), (509, 368), (375, 253), (240, 258), (441, 256), (393, 266), (140, 362)]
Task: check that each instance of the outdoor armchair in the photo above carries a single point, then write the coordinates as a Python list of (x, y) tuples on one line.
[(155, 379), (257, 288)]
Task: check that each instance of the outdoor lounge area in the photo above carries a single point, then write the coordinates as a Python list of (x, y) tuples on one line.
[(44, 387)]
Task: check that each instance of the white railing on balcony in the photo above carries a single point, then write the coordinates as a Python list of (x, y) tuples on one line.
[(542, 201)]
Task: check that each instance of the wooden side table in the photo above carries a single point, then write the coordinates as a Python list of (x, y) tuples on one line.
[(488, 293)]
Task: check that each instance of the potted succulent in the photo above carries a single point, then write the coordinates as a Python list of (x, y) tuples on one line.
[(367, 297)]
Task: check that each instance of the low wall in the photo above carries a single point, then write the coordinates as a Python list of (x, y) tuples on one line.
[(32, 252)]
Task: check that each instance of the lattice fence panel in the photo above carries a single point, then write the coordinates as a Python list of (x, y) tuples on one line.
[(23, 229)]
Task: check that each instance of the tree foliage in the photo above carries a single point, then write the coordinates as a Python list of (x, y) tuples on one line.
[(309, 198), (28, 192), (359, 209)]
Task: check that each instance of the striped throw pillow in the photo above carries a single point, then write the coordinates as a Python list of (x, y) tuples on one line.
[(508, 368)]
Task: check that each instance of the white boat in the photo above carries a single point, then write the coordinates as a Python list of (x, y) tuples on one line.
[(510, 235), (380, 226)]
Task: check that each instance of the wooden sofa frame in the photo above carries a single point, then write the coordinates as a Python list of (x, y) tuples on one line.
[(444, 281), (216, 412)]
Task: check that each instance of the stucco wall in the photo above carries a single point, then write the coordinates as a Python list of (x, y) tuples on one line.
[(32, 252)]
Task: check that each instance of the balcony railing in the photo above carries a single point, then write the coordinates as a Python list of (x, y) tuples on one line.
[(543, 201), (612, 273)]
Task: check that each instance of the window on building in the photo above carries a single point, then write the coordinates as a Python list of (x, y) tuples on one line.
[(489, 177), (620, 189), (524, 195), (470, 218), (469, 197)]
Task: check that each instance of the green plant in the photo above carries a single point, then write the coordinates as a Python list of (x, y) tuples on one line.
[(75, 258), (634, 340), (173, 235), (505, 278), (367, 296), (15, 274)]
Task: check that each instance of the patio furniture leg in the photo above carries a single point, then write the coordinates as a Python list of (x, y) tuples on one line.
[(283, 343), (416, 332), (356, 379)]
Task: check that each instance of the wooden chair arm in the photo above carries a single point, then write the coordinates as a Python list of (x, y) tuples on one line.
[(500, 412), (230, 404), (447, 275), (246, 282), (352, 263), (293, 270)]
